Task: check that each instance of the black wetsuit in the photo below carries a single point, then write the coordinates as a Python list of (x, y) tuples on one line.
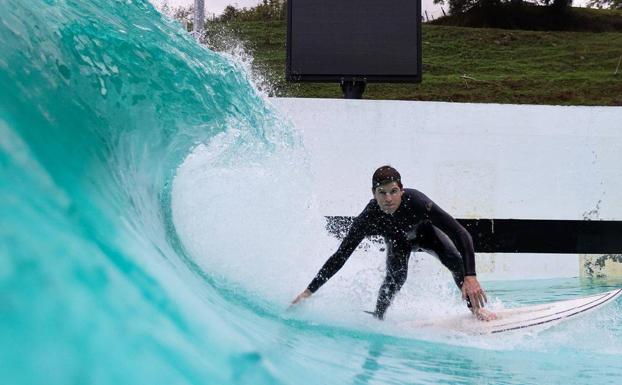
[(417, 224)]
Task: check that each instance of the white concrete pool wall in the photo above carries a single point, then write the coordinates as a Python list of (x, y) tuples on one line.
[(475, 161)]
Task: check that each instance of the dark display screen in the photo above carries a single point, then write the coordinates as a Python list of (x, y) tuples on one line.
[(333, 40)]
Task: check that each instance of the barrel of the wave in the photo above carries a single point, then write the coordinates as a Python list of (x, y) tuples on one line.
[(99, 103)]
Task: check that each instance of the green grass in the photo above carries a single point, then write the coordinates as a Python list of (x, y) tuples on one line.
[(468, 65)]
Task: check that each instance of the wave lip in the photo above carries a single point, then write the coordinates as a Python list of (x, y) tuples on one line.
[(99, 103)]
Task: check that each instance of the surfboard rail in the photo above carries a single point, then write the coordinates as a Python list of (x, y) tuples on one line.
[(523, 317), (591, 302)]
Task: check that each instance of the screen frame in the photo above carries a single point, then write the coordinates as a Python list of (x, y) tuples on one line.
[(331, 78)]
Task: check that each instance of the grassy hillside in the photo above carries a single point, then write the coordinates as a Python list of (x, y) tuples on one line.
[(468, 65)]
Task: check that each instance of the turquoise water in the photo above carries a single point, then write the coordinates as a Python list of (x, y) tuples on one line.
[(145, 187)]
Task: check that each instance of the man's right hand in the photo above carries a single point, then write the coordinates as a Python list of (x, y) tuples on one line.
[(305, 294)]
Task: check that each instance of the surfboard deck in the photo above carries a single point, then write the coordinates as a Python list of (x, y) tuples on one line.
[(542, 315)]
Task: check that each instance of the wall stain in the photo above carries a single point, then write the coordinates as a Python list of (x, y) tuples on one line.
[(593, 214), (600, 266)]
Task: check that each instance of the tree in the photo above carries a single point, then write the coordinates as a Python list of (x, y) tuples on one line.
[(230, 13), (265, 10), (462, 6), (613, 4)]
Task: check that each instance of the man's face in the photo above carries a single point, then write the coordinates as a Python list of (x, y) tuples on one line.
[(388, 196)]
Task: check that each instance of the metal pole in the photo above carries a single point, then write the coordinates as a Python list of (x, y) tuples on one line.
[(353, 89), (199, 16)]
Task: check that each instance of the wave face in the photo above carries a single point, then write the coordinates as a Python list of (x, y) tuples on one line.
[(156, 217), (100, 101)]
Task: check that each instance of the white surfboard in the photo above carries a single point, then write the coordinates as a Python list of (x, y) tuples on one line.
[(543, 315)]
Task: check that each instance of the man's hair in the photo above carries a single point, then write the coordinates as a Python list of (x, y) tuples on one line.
[(385, 174)]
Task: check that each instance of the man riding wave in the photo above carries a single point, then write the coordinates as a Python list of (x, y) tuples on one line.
[(409, 221)]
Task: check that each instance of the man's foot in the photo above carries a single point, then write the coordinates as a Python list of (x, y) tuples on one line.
[(375, 314), (483, 314)]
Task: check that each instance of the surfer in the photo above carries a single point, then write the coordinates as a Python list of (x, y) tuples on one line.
[(409, 221)]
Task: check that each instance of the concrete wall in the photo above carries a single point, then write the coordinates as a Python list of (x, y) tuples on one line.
[(475, 161)]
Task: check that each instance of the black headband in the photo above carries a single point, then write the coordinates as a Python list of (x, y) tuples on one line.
[(385, 174)]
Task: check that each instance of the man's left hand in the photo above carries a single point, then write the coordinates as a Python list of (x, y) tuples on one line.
[(472, 290)]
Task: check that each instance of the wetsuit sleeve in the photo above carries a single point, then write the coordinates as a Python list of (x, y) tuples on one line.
[(355, 235), (456, 232)]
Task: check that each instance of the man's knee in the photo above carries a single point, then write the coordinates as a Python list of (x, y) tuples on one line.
[(400, 278), (448, 254), (397, 271)]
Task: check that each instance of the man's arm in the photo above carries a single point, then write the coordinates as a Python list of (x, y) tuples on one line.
[(457, 233), (337, 260), (461, 238)]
